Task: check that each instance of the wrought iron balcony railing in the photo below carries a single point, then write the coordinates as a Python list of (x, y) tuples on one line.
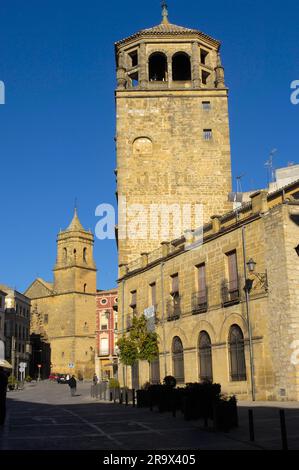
[(200, 301), (230, 292), (174, 308)]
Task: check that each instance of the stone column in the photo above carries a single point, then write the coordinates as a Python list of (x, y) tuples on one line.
[(169, 70), (143, 78), (195, 65), (121, 72), (219, 71)]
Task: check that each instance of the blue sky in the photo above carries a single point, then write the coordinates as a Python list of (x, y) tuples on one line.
[(58, 123)]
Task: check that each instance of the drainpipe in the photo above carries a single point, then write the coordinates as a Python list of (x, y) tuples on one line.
[(248, 317), (163, 320), (123, 327)]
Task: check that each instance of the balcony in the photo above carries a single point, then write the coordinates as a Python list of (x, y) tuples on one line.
[(199, 302), (230, 292), (174, 308)]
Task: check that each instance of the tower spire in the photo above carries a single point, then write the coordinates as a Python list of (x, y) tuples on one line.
[(164, 12)]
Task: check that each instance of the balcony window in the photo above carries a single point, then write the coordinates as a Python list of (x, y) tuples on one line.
[(230, 287), (200, 298)]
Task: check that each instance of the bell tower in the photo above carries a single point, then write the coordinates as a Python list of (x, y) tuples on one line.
[(75, 270), (172, 128)]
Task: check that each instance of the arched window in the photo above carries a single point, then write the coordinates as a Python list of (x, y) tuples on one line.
[(85, 255), (64, 254), (205, 357), (84, 287), (158, 67), (178, 360), (237, 354), (181, 67)]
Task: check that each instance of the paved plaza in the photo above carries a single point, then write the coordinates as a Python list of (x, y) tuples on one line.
[(44, 416)]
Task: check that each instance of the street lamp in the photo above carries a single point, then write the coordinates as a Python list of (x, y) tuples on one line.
[(262, 277)]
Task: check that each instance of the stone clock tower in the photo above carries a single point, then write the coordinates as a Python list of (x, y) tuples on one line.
[(172, 128)]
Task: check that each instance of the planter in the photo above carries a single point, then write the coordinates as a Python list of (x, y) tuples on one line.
[(226, 415), (143, 399)]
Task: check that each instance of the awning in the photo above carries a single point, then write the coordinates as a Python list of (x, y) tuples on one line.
[(5, 364)]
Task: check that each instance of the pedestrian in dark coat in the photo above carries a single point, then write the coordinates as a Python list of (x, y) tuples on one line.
[(73, 385), (95, 379), (3, 389)]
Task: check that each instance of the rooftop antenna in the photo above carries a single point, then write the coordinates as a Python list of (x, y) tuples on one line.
[(239, 183), (270, 167)]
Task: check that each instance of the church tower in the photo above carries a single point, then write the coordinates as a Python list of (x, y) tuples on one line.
[(172, 128), (66, 308), (75, 270)]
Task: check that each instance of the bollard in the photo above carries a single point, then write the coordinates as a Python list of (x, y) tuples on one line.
[(110, 396), (120, 397), (283, 428), (127, 398), (133, 397), (251, 425)]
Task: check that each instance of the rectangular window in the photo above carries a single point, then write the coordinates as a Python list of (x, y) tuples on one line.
[(153, 293), (175, 285), (46, 319), (207, 134), (133, 303), (133, 299), (232, 270), (231, 291), (206, 105), (104, 349), (201, 279), (104, 321)]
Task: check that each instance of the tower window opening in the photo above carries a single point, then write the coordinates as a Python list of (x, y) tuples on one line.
[(134, 58), (181, 67), (158, 67), (204, 77), (84, 255), (134, 79), (206, 105), (207, 134), (203, 56), (84, 287)]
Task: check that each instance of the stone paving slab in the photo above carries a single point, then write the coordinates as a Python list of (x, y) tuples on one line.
[(46, 417)]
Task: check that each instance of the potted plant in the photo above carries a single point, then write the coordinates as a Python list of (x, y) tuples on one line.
[(12, 383)]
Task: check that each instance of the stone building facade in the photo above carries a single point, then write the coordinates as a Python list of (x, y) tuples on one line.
[(2, 322), (16, 328), (64, 311), (172, 134), (208, 327), (106, 365)]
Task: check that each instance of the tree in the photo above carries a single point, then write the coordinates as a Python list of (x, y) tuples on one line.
[(139, 344)]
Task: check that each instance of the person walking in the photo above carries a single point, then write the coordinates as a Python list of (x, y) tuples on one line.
[(95, 379), (73, 385), (3, 389)]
